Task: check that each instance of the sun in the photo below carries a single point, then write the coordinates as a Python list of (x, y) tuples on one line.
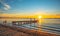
[(39, 20), (39, 17)]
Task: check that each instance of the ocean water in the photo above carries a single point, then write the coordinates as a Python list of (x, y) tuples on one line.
[(48, 25)]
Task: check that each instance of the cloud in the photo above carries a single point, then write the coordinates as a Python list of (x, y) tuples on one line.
[(6, 7)]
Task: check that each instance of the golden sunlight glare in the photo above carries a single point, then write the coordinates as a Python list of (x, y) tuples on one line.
[(39, 17)]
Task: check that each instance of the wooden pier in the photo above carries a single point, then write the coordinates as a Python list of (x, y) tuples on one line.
[(32, 20)]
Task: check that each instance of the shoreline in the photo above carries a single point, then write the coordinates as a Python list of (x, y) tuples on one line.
[(31, 32)]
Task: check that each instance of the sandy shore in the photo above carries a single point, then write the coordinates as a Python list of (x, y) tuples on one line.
[(13, 31), (9, 32)]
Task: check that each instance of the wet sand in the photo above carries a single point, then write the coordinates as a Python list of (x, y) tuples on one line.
[(5, 31), (14, 31)]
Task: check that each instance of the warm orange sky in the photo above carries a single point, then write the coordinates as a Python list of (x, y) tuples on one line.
[(32, 15)]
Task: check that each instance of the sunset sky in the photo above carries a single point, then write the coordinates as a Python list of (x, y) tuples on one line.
[(29, 7)]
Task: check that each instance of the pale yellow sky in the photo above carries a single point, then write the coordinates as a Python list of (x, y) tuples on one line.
[(32, 15)]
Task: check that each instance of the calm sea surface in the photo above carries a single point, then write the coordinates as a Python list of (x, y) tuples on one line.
[(48, 25)]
